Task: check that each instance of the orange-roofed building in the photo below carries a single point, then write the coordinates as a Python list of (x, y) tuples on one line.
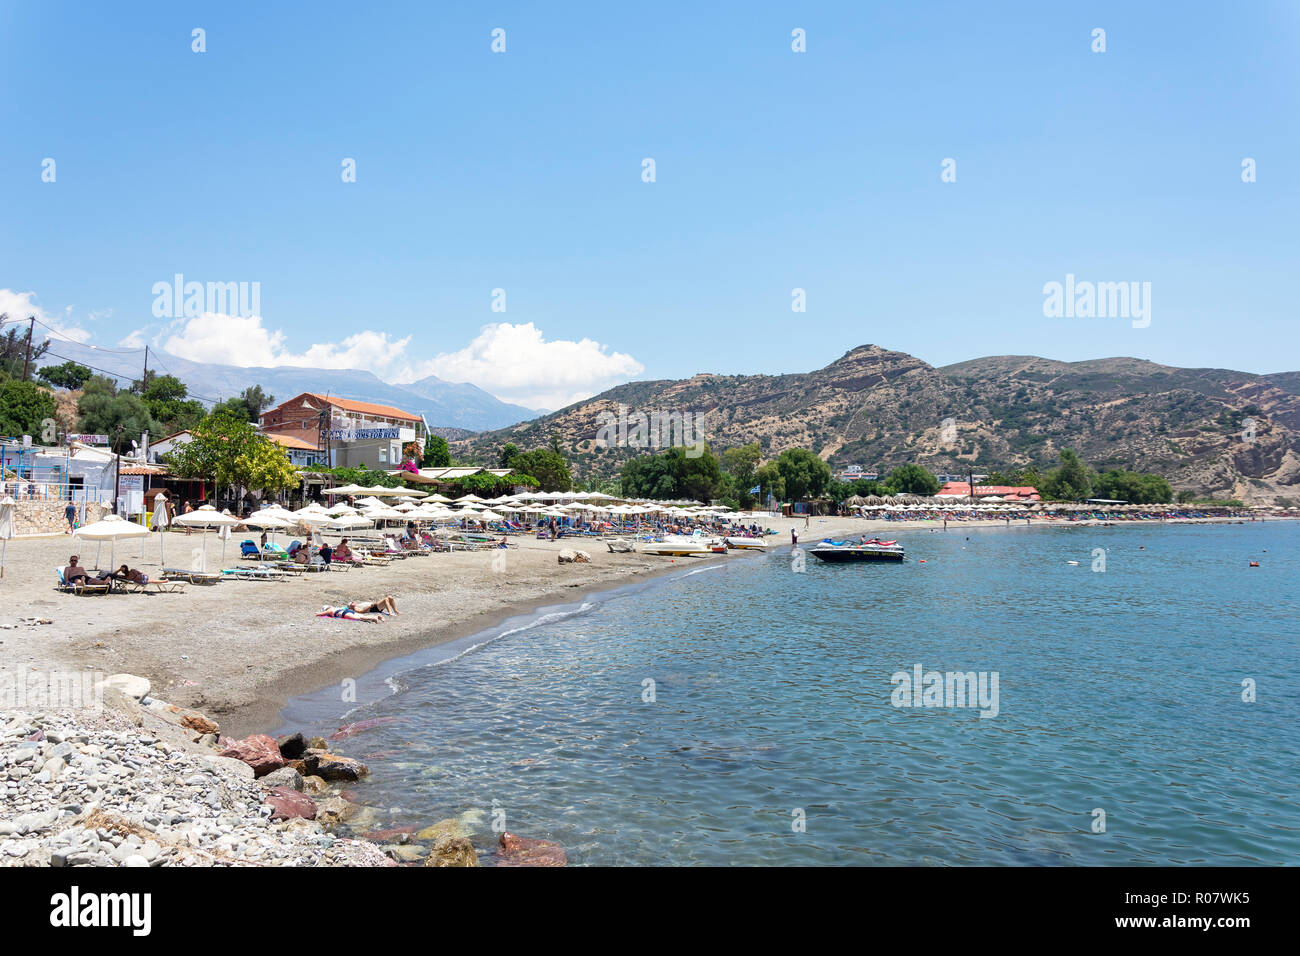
[(345, 433), (1005, 492)]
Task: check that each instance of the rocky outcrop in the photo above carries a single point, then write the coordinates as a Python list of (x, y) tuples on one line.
[(332, 767), (257, 750), (455, 851), (520, 851), (287, 803)]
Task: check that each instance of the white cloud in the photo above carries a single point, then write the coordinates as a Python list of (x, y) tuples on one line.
[(245, 342), (516, 364), (20, 305), (513, 362)]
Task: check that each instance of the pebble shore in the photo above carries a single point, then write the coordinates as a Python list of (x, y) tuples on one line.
[(94, 788)]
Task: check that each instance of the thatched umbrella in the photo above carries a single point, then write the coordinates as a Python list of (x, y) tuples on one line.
[(875, 500)]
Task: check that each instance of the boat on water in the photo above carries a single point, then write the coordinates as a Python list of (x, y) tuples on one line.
[(839, 552)]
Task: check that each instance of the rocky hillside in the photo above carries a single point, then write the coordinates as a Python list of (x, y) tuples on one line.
[(880, 409)]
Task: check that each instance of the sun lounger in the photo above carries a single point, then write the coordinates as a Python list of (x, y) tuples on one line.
[(81, 586), (153, 586), (193, 577), (254, 574)]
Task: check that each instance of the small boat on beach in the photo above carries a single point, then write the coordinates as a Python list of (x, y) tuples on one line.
[(683, 546), (746, 544), (841, 552)]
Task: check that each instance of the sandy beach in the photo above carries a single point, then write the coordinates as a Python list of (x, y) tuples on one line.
[(238, 650)]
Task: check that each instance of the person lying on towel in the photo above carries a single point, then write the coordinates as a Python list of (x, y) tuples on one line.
[(347, 614)]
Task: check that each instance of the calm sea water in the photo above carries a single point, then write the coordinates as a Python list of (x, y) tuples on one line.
[(1118, 690)]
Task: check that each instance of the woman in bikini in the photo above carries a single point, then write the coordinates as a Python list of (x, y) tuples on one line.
[(385, 605)]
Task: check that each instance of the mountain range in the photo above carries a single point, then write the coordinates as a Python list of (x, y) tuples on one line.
[(1215, 432), (443, 404)]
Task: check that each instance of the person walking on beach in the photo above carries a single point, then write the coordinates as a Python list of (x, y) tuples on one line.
[(806, 518), (794, 538), (189, 507), (70, 513)]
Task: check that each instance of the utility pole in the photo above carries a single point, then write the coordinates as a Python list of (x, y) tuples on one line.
[(144, 382), (31, 330), (117, 472)]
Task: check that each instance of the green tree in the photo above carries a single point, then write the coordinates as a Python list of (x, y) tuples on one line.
[(13, 348), (1131, 486), (509, 451), (437, 453), (741, 465), (547, 466), (1072, 480), (770, 481), (169, 403), (24, 409), (673, 473), (102, 408), (69, 375), (911, 480), (804, 473), (232, 453)]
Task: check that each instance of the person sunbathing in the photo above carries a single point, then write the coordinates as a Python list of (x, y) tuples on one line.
[(131, 574), (348, 614), (75, 572), (385, 605), (343, 552)]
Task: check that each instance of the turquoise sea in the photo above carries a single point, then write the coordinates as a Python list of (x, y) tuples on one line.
[(769, 734)]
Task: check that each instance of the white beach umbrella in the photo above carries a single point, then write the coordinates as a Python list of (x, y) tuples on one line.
[(469, 499), (347, 490), (345, 522), (109, 528), (158, 523), (6, 528), (370, 502), (490, 516)]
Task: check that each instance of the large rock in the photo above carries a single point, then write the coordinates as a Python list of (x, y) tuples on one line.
[(574, 556), (199, 724), (288, 804), (230, 765), (258, 751), (129, 684), (314, 785), (444, 830), (284, 777), (521, 851), (336, 810), (457, 851), (332, 767), (292, 746)]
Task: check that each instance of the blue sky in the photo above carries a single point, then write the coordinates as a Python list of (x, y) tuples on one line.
[(775, 170)]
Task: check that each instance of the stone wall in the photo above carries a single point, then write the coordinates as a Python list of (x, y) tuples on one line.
[(46, 517)]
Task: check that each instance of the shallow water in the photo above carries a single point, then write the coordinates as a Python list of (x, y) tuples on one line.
[(1118, 690)]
